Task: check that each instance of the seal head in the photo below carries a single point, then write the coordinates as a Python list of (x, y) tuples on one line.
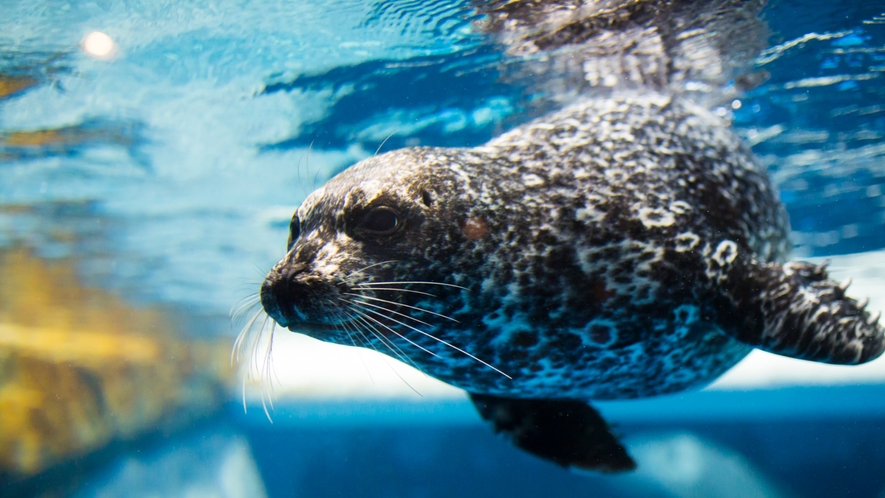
[(365, 226)]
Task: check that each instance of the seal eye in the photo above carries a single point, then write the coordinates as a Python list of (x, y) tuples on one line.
[(382, 220), (294, 232)]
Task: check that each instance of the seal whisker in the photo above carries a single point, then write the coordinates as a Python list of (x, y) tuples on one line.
[(437, 339), (305, 189), (341, 327), (373, 266), (254, 356), (261, 367), (261, 371), (361, 316), (264, 374), (381, 338), (261, 272), (241, 337), (416, 308), (382, 143), (266, 411), (357, 303), (413, 343), (238, 346), (445, 343), (245, 410), (248, 284), (247, 304), (300, 180), (363, 338), (350, 335), (274, 370), (252, 296), (409, 282), (397, 290), (362, 334), (268, 357), (255, 369), (307, 165), (398, 351)]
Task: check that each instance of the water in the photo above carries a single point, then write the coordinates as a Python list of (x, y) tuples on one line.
[(164, 173)]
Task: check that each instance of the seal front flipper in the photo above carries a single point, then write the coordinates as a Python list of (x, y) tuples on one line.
[(568, 432), (795, 310)]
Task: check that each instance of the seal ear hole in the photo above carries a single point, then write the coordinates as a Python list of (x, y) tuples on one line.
[(294, 232), (381, 220), (426, 198)]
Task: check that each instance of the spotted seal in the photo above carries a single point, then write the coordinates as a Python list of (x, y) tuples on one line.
[(622, 247)]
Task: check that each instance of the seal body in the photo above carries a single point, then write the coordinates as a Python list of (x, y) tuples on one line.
[(625, 246)]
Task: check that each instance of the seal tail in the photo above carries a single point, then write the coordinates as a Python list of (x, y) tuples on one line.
[(796, 310)]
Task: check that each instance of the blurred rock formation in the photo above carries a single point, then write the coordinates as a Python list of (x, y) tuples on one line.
[(80, 368)]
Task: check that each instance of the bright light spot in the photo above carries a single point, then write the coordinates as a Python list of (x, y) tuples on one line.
[(721, 112), (735, 104), (99, 45)]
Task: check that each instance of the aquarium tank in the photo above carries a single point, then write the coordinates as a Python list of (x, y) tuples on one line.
[(153, 153)]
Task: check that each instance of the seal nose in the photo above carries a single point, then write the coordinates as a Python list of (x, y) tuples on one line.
[(283, 294)]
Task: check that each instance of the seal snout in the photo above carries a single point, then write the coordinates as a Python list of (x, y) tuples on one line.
[(285, 294)]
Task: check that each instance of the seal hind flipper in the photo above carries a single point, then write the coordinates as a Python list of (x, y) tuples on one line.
[(568, 432), (796, 310)]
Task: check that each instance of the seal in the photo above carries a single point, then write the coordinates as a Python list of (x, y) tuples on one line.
[(628, 245)]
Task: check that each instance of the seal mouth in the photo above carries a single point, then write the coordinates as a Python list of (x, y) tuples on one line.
[(293, 298)]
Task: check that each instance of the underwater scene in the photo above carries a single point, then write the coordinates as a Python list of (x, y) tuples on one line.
[(518, 248)]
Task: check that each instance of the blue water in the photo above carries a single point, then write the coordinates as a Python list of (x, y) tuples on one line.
[(211, 172), (214, 119)]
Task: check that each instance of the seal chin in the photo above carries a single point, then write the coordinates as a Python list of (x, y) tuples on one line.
[(321, 331)]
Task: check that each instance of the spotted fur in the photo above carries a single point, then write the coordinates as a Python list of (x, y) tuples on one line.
[(625, 246)]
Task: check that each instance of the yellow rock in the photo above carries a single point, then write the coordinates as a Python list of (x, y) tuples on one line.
[(11, 85), (67, 136), (16, 145), (80, 368)]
